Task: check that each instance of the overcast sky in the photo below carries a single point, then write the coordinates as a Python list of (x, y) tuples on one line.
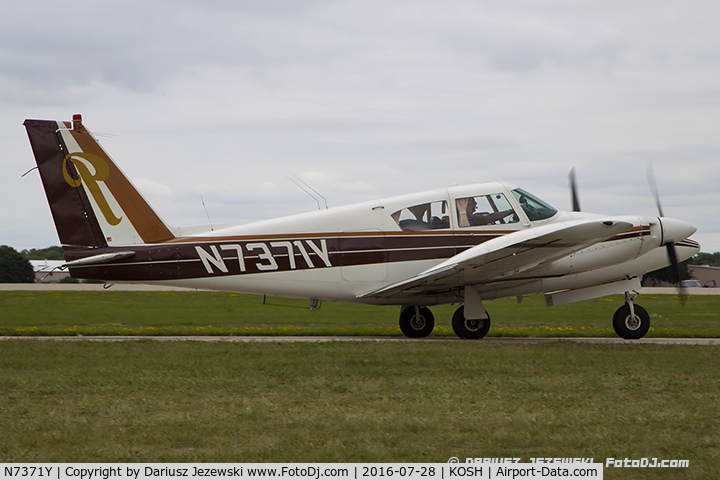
[(223, 99)]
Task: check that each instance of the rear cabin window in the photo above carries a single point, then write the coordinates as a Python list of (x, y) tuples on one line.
[(480, 210), (426, 216)]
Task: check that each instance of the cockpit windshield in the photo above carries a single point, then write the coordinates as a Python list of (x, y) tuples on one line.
[(534, 208)]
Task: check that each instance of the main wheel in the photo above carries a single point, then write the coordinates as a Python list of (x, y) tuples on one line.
[(629, 326), (416, 324), (469, 328)]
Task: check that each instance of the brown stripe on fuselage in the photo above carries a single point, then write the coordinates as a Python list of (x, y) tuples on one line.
[(635, 232), (179, 257)]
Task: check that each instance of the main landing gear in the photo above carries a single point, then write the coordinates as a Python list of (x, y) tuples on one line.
[(469, 328), (631, 321), (418, 322), (470, 320)]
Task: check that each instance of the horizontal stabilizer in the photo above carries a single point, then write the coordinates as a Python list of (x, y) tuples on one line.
[(97, 259)]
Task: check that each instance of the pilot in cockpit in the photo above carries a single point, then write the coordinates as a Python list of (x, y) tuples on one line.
[(466, 212), (470, 211), (468, 217)]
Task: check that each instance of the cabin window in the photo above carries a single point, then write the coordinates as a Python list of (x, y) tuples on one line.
[(426, 216), (493, 209), (534, 208)]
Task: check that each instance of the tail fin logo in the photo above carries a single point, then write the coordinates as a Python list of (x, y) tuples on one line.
[(81, 161)]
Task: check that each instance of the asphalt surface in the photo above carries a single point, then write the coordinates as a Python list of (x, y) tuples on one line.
[(351, 339), (139, 287)]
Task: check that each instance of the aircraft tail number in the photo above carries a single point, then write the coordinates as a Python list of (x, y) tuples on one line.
[(264, 256)]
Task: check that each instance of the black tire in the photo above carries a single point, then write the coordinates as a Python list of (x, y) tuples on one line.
[(416, 326), (631, 327), (469, 328)]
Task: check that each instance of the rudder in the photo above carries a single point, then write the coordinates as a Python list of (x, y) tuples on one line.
[(92, 202)]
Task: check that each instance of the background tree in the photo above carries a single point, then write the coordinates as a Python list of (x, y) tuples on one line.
[(664, 275), (702, 258), (14, 268), (49, 253)]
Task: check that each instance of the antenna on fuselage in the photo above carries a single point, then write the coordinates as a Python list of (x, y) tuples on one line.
[(207, 214), (304, 187)]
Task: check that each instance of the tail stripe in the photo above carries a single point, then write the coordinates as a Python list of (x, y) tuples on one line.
[(92, 201), (71, 209), (116, 188)]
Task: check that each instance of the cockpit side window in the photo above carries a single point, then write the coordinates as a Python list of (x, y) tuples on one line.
[(493, 209), (425, 216), (534, 208)]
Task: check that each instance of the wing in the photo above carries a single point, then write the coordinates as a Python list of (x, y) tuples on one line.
[(507, 256)]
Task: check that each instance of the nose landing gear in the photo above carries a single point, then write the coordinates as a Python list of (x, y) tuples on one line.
[(631, 321)]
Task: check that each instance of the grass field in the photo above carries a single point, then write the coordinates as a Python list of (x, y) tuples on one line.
[(213, 313), (418, 401), (359, 402)]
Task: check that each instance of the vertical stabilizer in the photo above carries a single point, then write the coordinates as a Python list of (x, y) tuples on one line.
[(92, 202)]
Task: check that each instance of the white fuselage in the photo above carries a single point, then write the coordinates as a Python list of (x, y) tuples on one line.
[(342, 253)]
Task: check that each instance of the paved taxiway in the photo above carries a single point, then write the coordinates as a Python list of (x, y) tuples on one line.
[(328, 339)]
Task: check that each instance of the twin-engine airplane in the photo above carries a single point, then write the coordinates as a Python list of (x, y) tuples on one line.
[(456, 245)]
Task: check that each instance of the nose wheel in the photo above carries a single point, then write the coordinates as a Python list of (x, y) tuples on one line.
[(631, 321)]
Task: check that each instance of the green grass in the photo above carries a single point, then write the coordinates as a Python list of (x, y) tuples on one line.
[(359, 402), (213, 313), (351, 402)]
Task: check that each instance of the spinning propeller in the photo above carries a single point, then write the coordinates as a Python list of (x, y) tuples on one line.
[(675, 273), (573, 191)]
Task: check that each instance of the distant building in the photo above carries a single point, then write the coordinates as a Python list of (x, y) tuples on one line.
[(708, 276), (43, 268)]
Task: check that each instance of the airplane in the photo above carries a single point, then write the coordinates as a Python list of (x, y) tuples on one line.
[(461, 245)]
